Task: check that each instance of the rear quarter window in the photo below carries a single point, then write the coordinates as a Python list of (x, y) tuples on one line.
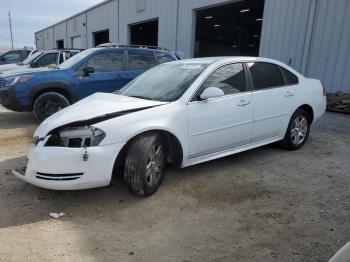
[(139, 60), (163, 58), (290, 78)]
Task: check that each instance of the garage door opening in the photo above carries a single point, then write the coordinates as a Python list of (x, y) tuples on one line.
[(144, 33), (76, 42), (60, 44), (101, 37), (231, 29)]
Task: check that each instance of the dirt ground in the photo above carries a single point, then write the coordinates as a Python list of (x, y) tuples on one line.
[(266, 204)]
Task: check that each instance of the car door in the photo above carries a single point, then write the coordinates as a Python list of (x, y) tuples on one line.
[(274, 101), (138, 61), (108, 68), (225, 122)]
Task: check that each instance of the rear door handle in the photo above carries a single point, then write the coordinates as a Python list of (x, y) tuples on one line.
[(243, 103), (288, 94)]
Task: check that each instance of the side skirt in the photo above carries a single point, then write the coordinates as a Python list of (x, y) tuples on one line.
[(231, 151)]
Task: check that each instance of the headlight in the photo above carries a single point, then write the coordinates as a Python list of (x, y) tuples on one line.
[(10, 81), (76, 137)]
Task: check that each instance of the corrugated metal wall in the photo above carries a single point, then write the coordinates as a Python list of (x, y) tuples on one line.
[(187, 22), (48, 38), (101, 18), (76, 27), (329, 57), (313, 36), (39, 40), (165, 11), (60, 33)]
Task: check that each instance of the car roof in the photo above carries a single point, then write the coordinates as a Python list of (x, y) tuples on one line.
[(59, 50), (210, 60), (131, 48)]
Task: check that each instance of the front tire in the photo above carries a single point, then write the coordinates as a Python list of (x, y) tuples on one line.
[(298, 130), (49, 103), (145, 165)]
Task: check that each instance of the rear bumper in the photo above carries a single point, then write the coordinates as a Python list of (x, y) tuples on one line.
[(9, 100), (321, 108), (64, 168)]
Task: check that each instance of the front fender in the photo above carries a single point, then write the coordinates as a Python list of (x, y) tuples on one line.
[(51, 86)]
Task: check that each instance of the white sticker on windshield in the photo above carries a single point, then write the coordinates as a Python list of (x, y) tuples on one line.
[(191, 66)]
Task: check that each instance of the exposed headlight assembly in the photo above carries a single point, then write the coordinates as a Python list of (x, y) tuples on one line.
[(11, 81), (76, 137)]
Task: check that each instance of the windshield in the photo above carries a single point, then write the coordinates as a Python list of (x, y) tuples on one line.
[(76, 59), (31, 58), (166, 82)]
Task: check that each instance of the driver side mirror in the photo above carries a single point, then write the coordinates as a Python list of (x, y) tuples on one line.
[(88, 70), (211, 92)]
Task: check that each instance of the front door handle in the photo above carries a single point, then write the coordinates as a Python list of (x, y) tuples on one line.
[(289, 94), (243, 103)]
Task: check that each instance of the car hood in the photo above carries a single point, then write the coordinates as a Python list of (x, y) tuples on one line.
[(24, 70), (7, 67), (93, 109)]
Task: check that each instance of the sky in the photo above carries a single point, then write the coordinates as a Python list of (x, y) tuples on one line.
[(29, 16)]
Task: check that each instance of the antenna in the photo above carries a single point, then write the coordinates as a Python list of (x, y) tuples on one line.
[(11, 29)]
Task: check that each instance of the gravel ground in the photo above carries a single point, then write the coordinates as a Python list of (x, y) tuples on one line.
[(266, 204)]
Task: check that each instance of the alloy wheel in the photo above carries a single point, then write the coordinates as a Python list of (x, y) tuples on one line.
[(155, 165), (299, 130)]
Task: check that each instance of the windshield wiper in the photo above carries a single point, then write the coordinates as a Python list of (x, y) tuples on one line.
[(141, 97)]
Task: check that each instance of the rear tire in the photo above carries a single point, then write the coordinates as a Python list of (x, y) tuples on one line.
[(145, 164), (49, 103), (298, 130)]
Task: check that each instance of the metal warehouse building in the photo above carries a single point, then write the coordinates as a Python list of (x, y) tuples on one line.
[(313, 36)]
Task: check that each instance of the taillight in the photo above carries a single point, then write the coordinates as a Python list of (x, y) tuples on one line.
[(324, 89)]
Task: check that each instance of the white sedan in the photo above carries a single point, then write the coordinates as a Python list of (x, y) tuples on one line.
[(181, 113)]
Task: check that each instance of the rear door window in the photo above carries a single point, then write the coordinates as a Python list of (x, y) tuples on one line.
[(139, 60), (107, 61), (163, 57), (265, 75), (289, 77)]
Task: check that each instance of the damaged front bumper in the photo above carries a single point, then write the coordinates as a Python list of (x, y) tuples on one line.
[(60, 168)]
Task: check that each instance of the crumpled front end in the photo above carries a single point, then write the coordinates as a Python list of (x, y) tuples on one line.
[(60, 168)]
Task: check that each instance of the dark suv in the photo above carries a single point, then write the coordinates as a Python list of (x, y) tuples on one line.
[(102, 69), (14, 56)]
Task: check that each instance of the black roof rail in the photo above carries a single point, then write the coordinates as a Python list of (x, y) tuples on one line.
[(114, 45)]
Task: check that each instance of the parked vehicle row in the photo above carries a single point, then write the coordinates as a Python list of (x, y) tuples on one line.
[(41, 59), (180, 113), (105, 69)]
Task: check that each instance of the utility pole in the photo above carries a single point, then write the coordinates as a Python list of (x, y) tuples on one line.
[(11, 29)]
